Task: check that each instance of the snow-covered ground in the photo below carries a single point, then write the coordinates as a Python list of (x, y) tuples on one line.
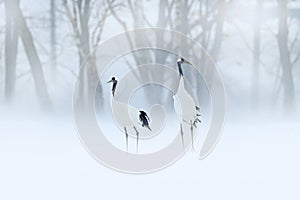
[(257, 157), (42, 158)]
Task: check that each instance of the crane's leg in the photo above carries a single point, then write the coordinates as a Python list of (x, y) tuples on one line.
[(126, 137), (137, 139), (192, 134), (181, 133)]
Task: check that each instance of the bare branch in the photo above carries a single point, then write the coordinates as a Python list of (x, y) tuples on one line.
[(243, 37), (73, 20)]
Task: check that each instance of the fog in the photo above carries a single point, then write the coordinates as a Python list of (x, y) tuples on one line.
[(254, 45)]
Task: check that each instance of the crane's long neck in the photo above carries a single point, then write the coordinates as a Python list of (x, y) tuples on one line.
[(181, 87), (112, 100), (180, 69)]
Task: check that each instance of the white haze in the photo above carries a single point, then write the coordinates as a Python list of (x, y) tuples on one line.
[(41, 156)]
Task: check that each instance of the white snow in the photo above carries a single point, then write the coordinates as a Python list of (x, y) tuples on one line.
[(42, 158)]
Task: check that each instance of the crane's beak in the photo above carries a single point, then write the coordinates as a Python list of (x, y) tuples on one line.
[(110, 81), (187, 62)]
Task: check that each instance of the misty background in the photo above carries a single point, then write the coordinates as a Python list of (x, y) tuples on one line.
[(255, 45)]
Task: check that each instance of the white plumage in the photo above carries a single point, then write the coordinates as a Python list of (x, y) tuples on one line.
[(185, 108), (123, 113), (184, 104)]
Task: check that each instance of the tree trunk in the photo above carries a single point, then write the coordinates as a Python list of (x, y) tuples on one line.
[(53, 37), (92, 74), (11, 49), (217, 44), (34, 60), (256, 54), (208, 30), (287, 76)]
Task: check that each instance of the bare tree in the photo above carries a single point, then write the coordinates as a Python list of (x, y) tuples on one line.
[(139, 19), (11, 48), (256, 53), (53, 35), (17, 27), (285, 58), (203, 23), (216, 29), (79, 13)]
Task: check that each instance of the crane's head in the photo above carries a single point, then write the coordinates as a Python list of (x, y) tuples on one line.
[(143, 112), (112, 80), (181, 61)]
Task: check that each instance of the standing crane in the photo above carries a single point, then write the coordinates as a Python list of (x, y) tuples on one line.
[(184, 104), (122, 113)]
